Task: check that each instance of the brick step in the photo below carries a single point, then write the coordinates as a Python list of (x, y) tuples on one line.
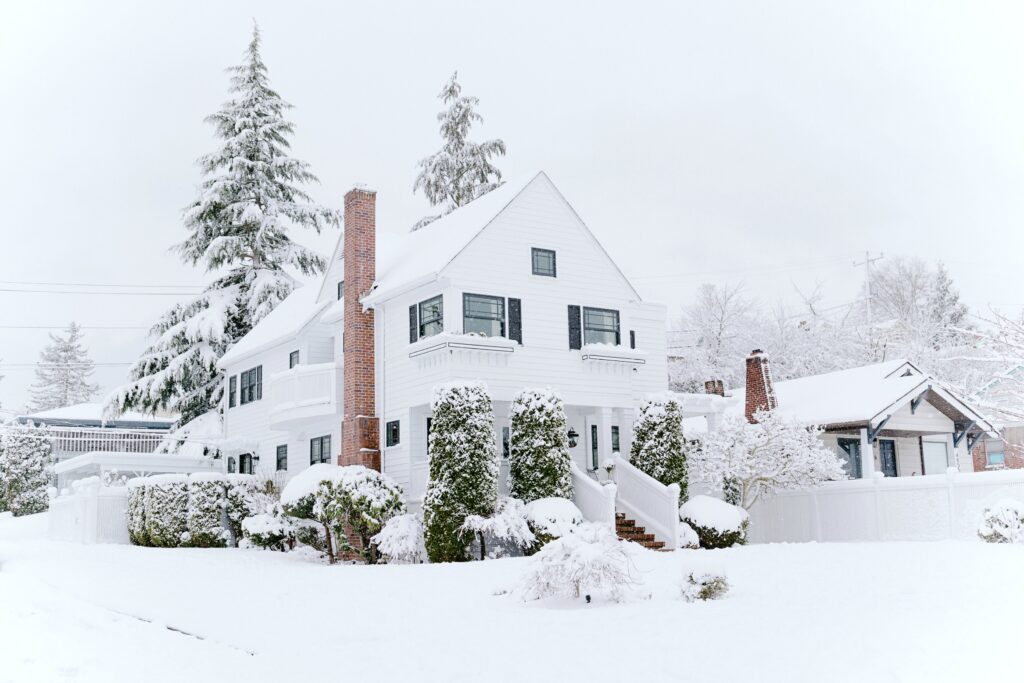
[(627, 530)]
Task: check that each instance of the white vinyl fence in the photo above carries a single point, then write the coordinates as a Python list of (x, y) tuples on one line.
[(928, 508), (89, 513)]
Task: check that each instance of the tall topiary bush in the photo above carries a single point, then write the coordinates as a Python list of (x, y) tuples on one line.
[(463, 477), (166, 504), (25, 469), (658, 447), (539, 460)]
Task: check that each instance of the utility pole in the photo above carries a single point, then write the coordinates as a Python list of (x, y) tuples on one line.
[(868, 260)]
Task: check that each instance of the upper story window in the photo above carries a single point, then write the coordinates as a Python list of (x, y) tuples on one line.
[(293, 359), (483, 315), (232, 391), (320, 449), (341, 290), (543, 262), (251, 385), (600, 326), (431, 314)]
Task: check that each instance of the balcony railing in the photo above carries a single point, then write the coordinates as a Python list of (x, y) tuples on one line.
[(303, 392)]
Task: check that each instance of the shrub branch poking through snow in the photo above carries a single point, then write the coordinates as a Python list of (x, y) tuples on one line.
[(1003, 522), (716, 523), (704, 586), (658, 445), (508, 527), (24, 471), (539, 460), (773, 454), (463, 477), (401, 539), (591, 561)]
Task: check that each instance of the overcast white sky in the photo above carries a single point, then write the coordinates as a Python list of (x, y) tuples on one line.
[(769, 143)]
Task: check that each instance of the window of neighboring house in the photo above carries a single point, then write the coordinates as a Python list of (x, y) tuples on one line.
[(245, 463), (282, 458), (251, 385), (293, 359), (543, 262), (615, 438), (232, 391), (320, 449), (231, 465), (600, 326), (483, 315), (341, 290), (431, 314), (995, 458), (391, 433), (506, 448)]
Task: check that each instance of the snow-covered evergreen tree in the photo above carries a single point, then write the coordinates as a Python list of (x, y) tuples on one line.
[(461, 170), (250, 199), (658, 446), (463, 475), (25, 469), (539, 460), (62, 372)]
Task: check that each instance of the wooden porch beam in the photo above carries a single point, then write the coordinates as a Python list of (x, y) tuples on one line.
[(959, 436), (915, 402), (874, 431), (973, 439)]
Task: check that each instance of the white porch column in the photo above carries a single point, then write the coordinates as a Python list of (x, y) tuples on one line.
[(605, 420), (624, 418), (867, 455), (952, 452)]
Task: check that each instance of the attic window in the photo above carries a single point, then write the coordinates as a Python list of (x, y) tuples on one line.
[(543, 262)]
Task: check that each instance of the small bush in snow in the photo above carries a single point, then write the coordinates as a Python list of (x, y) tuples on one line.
[(716, 523), (271, 530), (207, 499), (24, 471), (463, 475), (1003, 522), (591, 561), (687, 537), (704, 586), (244, 498), (551, 518), (658, 446), (360, 501), (506, 531), (166, 505), (136, 511), (401, 539), (539, 460)]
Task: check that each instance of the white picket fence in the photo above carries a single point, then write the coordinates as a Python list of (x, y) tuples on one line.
[(89, 513), (933, 507)]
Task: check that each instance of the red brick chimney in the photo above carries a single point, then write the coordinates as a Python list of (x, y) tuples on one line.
[(360, 428), (760, 392), (714, 386)]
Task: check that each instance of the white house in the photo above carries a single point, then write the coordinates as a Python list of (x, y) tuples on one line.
[(511, 289)]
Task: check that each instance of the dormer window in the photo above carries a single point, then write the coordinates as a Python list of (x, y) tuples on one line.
[(483, 315), (543, 262)]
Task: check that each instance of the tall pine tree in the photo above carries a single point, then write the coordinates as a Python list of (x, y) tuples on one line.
[(461, 170), (249, 200), (62, 372)]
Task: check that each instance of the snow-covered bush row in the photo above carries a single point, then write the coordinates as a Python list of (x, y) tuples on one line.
[(271, 529), (136, 511), (539, 460), (1003, 522), (551, 518), (401, 539), (704, 586), (506, 532), (25, 467), (716, 523), (589, 562), (245, 496), (463, 471), (658, 446), (166, 504), (205, 512)]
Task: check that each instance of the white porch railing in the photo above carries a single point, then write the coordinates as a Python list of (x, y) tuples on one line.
[(595, 500), (304, 391), (652, 504), (90, 513)]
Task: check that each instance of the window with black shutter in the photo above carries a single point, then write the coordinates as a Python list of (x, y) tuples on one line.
[(575, 328), (632, 339), (413, 327), (515, 320), (600, 326), (282, 458), (431, 316), (392, 433), (483, 315), (251, 388), (232, 391)]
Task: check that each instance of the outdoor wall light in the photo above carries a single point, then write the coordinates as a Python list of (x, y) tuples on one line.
[(573, 437)]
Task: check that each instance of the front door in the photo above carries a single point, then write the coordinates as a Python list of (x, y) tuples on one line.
[(849, 452), (887, 453)]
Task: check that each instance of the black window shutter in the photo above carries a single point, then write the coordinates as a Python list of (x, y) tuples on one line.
[(575, 330), (632, 339), (515, 320), (259, 382), (413, 332)]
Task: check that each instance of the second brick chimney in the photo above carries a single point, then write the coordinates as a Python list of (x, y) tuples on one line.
[(360, 428), (714, 386), (760, 393)]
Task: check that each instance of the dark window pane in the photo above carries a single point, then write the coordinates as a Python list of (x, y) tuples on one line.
[(543, 262), (431, 317), (600, 326), (341, 290), (293, 359), (391, 433), (483, 315), (282, 458)]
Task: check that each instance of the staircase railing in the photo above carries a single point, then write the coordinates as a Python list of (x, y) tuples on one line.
[(651, 503), (596, 501)]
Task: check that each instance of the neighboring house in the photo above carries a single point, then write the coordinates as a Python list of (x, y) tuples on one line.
[(511, 289), (1006, 451), (82, 428), (906, 419)]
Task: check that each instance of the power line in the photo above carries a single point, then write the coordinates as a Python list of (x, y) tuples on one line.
[(97, 284), (8, 366), (81, 327), (805, 265), (88, 293)]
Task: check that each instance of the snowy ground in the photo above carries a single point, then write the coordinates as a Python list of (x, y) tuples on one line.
[(841, 612)]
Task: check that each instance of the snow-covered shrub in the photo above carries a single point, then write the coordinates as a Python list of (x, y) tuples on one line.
[(591, 561), (401, 539), (207, 498), (303, 497), (166, 505), (687, 537), (658, 446), (551, 518), (758, 459), (25, 470), (539, 461), (704, 586), (113, 479), (716, 523), (1003, 522), (271, 530), (506, 531), (244, 498), (463, 476), (360, 501), (135, 515)]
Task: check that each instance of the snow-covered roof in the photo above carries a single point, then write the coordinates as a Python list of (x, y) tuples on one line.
[(91, 414), (281, 324)]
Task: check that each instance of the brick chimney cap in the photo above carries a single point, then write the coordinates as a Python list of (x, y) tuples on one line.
[(361, 187), (757, 352)]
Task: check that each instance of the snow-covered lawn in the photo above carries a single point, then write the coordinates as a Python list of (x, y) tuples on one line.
[(840, 612)]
